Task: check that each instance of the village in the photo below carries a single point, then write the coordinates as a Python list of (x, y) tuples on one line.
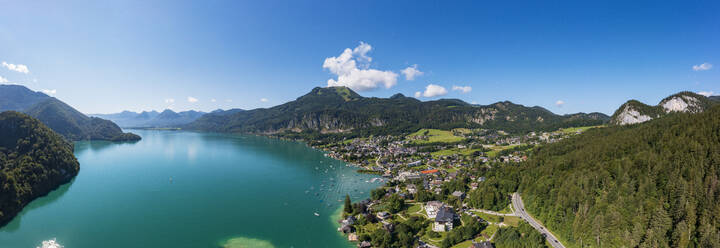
[(434, 190)]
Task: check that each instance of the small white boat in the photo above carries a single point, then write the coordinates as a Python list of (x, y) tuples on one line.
[(316, 214)]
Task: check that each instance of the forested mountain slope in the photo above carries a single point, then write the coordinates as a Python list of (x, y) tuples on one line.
[(340, 110), (656, 184), (75, 125), (59, 116), (33, 161)]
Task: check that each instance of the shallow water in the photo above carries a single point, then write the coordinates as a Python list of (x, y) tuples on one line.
[(186, 189)]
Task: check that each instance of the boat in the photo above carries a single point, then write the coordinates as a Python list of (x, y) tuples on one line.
[(316, 214)]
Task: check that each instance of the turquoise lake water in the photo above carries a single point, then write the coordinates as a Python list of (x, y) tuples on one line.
[(186, 189)]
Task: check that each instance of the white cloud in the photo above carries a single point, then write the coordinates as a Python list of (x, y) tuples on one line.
[(560, 103), (263, 99), (228, 100), (169, 100), (361, 52), (702, 67), (418, 94), (706, 93), (213, 100), (18, 68), (411, 72), (49, 92), (348, 74), (192, 99), (433, 90), (3, 80), (462, 89)]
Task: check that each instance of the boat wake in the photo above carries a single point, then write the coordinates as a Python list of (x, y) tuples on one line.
[(50, 244)]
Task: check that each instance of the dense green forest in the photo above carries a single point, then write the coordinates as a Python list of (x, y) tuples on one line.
[(33, 161), (522, 236), (655, 184), (336, 109)]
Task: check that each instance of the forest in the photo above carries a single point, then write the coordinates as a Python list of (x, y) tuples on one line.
[(654, 184), (33, 161)]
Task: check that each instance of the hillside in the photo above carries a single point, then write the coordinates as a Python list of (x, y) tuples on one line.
[(34, 160), (656, 184), (19, 98), (74, 125), (341, 110), (59, 116), (634, 111), (167, 118)]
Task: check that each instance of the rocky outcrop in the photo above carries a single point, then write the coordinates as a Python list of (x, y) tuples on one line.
[(630, 115), (633, 112)]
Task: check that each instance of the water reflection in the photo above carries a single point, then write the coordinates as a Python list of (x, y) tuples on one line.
[(43, 201)]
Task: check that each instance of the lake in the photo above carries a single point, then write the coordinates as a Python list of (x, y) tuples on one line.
[(187, 189)]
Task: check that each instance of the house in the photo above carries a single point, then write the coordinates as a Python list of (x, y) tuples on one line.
[(412, 189), (407, 175), (349, 220), (444, 220), (352, 237), (459, 194), (383, 215), (346, 229), (485, 244), (364, 244), (416, 163), (388, 226), (432, 208)]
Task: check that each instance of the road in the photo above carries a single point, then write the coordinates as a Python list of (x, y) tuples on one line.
[(519, 209)]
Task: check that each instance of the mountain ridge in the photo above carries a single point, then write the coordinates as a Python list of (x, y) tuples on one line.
[(166, 118), (634, 111), (341, 110), (59, 116)]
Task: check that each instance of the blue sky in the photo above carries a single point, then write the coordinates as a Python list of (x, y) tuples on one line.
[(105, 56)]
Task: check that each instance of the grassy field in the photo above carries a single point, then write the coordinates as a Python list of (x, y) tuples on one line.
[(497, 149), (512, 220), (488, 217), (453, 151), (462, 130), (575, 129), (435, 241), (489, 231), (434, 136)]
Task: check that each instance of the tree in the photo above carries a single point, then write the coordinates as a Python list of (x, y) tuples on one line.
[(348, 204), (395, 203)]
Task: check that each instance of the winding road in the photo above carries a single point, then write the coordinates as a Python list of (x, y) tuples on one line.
[(519, 209)]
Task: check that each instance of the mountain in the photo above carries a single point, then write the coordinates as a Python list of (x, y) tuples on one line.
[(341, 110), (19, 98), (714, 98), (167, 118), (59, 116), (34, 160), (655, 184), (633, 111)]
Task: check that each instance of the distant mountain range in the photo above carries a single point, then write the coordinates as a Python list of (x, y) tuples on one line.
[(341, 110), (634, 111), (59, 116), (153, 118)]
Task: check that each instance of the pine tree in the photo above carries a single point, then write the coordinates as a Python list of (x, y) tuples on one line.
[(348, 204)]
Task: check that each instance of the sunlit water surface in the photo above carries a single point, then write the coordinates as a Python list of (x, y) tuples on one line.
[(186, 189)]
